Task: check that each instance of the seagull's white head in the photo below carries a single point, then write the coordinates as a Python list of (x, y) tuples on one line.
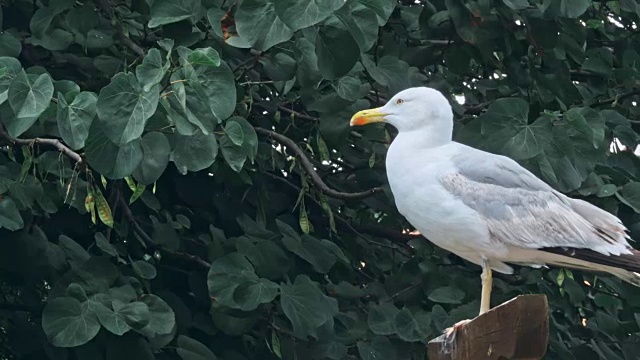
[(418, 108)]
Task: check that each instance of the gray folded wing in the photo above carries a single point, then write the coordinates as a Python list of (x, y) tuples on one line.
[(521, 210)]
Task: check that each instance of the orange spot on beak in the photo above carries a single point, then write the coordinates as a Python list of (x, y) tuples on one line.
[(367, 117), (359, 121)]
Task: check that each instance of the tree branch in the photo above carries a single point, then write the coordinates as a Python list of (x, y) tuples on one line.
[(394, 236), (617, 98), (128, 214), (308, 168), (54, 143), (298, 114)]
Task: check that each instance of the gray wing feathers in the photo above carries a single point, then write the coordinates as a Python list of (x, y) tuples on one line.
[(521, 210)]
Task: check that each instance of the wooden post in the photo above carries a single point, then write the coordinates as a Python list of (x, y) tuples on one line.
[(515, 330)]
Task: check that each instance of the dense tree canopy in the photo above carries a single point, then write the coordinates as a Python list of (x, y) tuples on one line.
[(178, 178)]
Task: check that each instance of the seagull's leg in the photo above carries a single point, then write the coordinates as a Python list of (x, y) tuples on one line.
[(487, 283), (485, 300)]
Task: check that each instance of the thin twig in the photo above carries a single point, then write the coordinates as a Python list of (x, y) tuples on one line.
[(393, 236), (256, 82), (298, 114), (308, 168), (54, 143), (476, 109), (128, 214), (408, 288), (617, 98)]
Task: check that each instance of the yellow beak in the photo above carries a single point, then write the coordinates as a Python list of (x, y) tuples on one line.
[(367, 117)]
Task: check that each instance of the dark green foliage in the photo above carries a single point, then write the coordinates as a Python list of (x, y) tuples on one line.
[(158, 197)]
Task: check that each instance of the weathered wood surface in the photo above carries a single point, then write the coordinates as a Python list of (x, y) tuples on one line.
[(515, 330)]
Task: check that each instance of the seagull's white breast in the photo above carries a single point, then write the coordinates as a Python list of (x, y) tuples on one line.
[(414, 177)]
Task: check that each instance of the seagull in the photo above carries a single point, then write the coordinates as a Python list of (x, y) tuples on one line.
[(486, 208)]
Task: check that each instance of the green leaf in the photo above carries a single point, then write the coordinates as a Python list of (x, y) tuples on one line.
[(348, 87), (508, 118), (389, 71), (76, 253), (191, 349), (75, 119), (109, 159), (258, 24), (275, 344), (345, 290), (68, 323), (104, 245), (161, 317), (96, 39), (250, 295), (269, 260), (382, 8), (205, 57), (29, 95), (337, 52), (503, 113), (41, 21), (306, 306), (311, 250), (573, 289), (233, 283), (170, 11), (382, 319), (55, 40), (301, 14), (203, 91), (10, 218), (279, 67), (155, 158), (407, 327), (152, 70), (76, 291), (360, 21), (567, 8), (124, 108), (9, 45), (234, 132), (529, 140), (164, 234), (82, 19), (253, 229), (9, 69), (233, 154), (183, 221), (122, 317), (194, 153), (447, 295), (249, 146), (144, 269), (630, 195), (517, 4), (379, 348)]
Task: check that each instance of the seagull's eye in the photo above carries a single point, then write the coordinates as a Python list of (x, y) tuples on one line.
[(399, 101)]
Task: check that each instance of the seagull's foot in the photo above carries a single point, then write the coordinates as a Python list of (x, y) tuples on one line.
[(450, 333)]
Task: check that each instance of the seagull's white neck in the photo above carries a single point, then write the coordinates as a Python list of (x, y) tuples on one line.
[(424, 138)]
